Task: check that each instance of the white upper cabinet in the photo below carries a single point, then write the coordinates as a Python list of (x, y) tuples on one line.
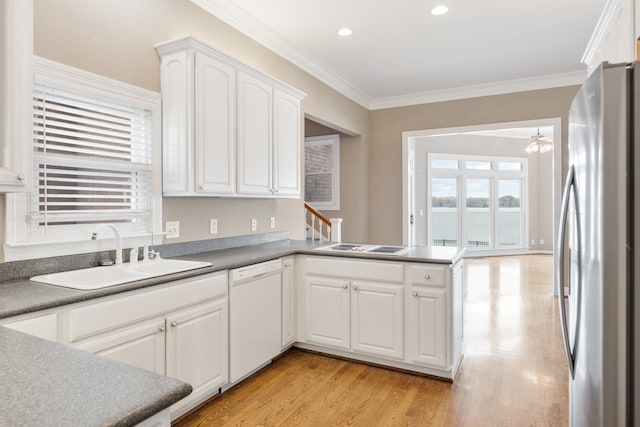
[(16, 95), (254, 136), (614, 38), (228, 130), (215, 126), (286, 144)]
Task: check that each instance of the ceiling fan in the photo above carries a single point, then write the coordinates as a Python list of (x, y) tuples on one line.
[(539, 144)]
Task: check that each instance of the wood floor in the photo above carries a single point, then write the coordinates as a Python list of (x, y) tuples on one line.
[(513, 373)]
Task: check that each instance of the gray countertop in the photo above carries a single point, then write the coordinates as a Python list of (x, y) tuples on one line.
[(45, 383), (24, 296)]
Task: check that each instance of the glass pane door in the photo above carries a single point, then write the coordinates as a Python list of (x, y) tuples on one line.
[(444, 211), (509, 221), (479, 217)]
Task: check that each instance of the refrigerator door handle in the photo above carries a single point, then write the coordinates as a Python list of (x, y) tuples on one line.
[(569, 188)]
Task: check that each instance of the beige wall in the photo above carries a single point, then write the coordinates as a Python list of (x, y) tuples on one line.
[(385, 151), (353, 182), (115, 38)]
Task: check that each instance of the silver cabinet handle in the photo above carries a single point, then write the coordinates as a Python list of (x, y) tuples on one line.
[(201, 187), (569, 185), (174, 324), (162, 329), (20, 177), (345, 286), (427, 276), (355, 288), (415, 294), (287, 265)]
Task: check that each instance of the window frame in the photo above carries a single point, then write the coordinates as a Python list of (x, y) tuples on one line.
[(18, 244), (334, 141)]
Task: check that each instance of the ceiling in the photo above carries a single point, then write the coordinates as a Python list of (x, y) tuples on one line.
[(400, 54)]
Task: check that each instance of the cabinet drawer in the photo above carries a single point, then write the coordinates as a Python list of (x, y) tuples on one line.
[(101, 316), (427, 275), (379, 271)]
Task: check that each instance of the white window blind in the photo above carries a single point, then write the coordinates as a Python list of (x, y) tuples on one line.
[(92, 163)]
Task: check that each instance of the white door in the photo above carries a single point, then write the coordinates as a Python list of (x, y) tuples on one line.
[(141, 345), (426, 327), (197, 349), (328, 312), (254, 136), (215, 156), (286, 145), (377, 319)]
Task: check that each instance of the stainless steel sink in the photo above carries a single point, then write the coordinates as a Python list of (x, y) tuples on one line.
[(102, 277)]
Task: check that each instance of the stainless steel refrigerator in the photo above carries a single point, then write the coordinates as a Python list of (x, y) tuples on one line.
[(596, 249)]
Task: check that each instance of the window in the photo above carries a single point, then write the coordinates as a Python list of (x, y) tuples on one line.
[(96, 160), (476, 201), (322, 172)]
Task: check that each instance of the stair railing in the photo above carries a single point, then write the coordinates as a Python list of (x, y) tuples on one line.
[(321, 228)]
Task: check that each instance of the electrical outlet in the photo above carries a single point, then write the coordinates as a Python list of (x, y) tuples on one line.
[(542, 241), (533, 242), (254, 224), (273, 222), (172, 228), (213, 226)]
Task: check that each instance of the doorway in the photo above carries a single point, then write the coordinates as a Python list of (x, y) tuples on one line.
[(489, 142)]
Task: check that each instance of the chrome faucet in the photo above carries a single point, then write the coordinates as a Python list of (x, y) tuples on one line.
[(94, 236)]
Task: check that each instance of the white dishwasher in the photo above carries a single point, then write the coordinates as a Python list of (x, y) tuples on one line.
[(255, 308)]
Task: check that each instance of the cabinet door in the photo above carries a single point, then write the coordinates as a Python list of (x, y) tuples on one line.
[(426, 327), (288, 302), (197, 350), (327, 311), (16, 95), (254, 136), (215, 85), (377, 320), (286, 145), (177, 116), (44, 326), (141, 345)]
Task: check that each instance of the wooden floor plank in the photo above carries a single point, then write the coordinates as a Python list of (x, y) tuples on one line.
[(513, 373)]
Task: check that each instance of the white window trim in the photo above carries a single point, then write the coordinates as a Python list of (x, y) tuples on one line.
[(333, 140), (494, 174), (47, 72)]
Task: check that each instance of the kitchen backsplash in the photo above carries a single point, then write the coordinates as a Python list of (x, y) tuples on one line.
[(15, 270)]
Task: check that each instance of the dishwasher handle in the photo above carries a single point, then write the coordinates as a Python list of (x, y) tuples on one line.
[(255, 271)]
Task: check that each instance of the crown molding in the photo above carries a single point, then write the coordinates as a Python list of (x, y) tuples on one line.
[(600, 31), (238, 18), (488, 89)]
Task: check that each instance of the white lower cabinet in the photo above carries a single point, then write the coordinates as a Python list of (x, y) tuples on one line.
[(426, 327), (327, 311), (406, 315), (377, 323), (197, 350), (355, 313), (179, 329), (141, 345), (39, 325)]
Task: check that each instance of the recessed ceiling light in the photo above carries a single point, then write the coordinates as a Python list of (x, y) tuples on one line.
[(345, 32), (439, 10)]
